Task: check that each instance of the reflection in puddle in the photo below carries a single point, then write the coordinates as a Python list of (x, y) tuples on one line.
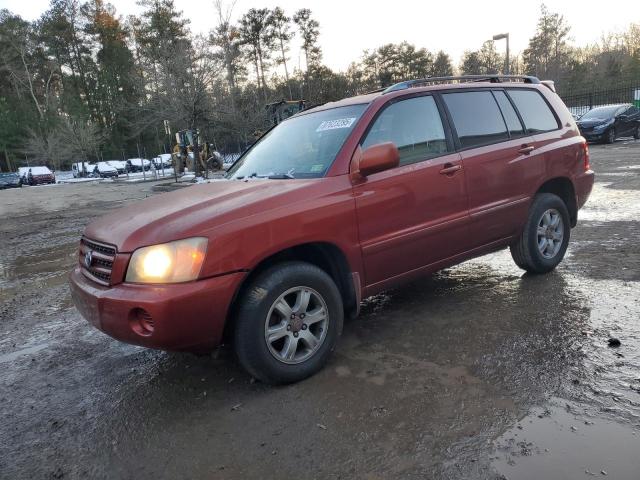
[(561, 442)]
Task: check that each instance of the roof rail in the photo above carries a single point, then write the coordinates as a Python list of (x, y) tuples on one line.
[(492, 78)]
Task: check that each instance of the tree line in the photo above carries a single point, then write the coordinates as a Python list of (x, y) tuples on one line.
[(83, 83)]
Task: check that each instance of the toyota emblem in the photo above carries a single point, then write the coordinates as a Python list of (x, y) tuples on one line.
[(88, 258)]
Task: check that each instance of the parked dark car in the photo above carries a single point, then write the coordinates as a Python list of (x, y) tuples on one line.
[(605, 124), (333, 205), (10, 180), (137, 164), (104, 170)]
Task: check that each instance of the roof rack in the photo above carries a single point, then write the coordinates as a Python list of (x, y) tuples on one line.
[(492, 78)]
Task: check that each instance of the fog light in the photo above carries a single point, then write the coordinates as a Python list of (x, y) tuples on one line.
[(141, 322)]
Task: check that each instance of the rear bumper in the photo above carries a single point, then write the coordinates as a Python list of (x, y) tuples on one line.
[(186, 316), (583, 184)]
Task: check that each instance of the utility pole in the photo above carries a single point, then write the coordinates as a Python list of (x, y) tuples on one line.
[(506, 60)]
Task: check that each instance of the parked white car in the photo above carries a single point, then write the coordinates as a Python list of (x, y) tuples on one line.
[(82, 169), (119, 165), (163, 160)]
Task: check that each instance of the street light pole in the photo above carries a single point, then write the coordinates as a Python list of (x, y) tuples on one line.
[(506, 61)]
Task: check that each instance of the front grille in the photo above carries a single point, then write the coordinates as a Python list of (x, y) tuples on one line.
[(96, 260)]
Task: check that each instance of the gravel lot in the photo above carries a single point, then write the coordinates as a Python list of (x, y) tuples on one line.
[(476, 372)]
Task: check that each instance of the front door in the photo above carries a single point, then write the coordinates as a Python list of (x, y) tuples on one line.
[(415, 214)]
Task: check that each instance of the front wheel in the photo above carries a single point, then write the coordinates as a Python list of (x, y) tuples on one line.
[(545, 237), (636, 133), (610, 136), (288, 322)]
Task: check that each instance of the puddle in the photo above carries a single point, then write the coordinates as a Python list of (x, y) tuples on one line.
[(560, 442)]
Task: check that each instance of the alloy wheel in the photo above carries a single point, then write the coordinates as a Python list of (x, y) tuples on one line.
[(550, 233), (296, 325)]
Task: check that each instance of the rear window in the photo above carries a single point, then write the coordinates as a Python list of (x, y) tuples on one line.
[(476, 117), (509, 114), (535, 112)]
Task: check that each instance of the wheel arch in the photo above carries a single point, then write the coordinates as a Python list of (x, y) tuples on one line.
[(564, 188), (325, 255)]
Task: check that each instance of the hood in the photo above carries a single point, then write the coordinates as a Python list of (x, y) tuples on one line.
[(190, 211), (593, 122)]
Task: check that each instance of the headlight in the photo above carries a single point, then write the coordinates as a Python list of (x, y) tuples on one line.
[(602, 126), (172, 262)]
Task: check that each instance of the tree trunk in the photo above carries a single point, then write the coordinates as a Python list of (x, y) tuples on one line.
[(286, 70)]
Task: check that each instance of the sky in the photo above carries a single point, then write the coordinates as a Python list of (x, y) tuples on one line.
[(348, 27)]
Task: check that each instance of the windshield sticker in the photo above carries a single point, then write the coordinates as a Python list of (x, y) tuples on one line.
[(317, 168), (333, 124)]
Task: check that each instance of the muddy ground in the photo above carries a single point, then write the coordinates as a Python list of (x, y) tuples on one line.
[(476, 372)]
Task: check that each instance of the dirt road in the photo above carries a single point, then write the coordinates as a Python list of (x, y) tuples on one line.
[(476, 372)]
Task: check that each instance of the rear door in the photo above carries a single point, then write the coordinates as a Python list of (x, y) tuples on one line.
[(499, 158), (415, 214)]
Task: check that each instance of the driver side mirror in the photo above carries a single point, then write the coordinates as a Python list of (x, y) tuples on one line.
[(378, 158)]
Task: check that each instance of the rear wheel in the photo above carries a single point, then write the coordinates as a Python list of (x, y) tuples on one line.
[(545, 237), (636, 134), (288, 322)]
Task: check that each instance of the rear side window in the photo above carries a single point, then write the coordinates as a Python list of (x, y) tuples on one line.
[(535, 112), (509, 114), (477, 118), (414, 126)]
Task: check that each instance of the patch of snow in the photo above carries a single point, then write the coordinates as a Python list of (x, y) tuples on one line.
[(34, 171)]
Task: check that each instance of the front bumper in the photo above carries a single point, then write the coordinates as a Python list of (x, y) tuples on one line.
[(185, 316), (594, 137)]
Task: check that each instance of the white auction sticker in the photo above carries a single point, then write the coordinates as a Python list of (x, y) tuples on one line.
[(333, 124)]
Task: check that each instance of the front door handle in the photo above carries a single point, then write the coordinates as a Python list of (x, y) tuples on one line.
[(450, 169), (526, 149)]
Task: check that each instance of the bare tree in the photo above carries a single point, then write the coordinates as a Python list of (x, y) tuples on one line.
[(282, 34)]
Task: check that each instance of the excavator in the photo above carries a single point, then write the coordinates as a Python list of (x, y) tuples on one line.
[(195, 154), (279, 111)]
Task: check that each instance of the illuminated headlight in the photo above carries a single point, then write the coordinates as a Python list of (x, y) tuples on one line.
[(172, 262)]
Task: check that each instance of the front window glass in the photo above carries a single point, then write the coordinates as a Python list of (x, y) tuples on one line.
[(300, 147), (414, 126)]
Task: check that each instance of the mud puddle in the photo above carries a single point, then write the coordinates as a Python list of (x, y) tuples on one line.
[(561, 441)]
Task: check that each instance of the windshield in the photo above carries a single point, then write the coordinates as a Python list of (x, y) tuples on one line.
[(601, 113), (300, 147)]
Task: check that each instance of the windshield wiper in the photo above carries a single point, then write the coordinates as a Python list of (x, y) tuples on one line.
[(280, 176)]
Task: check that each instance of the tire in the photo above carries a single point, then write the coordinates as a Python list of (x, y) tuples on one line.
[(285, 285), (530, 252), (610, 137), (636, 134)]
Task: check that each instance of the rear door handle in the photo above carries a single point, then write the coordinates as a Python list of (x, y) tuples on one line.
[(450, 169), (526, 149)]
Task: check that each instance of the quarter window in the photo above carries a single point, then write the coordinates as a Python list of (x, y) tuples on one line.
[(535, 112), (414, 126), (509, 114), (477, 118)]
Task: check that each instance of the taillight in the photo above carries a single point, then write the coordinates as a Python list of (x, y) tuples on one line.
[(585, 156)]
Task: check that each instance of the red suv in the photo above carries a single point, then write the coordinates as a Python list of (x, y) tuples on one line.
[(335, 204)]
